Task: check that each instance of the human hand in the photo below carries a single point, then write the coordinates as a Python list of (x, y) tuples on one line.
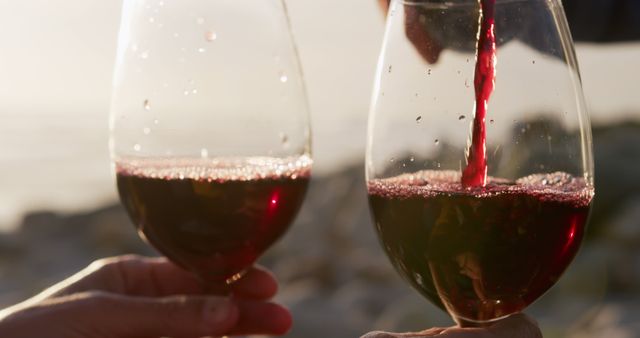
[(418, 34), (516, 326), (431, 31), (131, 296)]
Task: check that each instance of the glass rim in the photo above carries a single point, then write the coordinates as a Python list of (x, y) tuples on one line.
[(445, 4)]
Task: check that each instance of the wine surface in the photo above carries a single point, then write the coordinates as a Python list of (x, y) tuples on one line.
[(213, 217), (480, 253)]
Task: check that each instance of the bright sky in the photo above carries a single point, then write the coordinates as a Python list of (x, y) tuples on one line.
[(56, 60)]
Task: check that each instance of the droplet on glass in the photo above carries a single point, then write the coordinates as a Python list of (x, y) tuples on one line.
[(466, 83), (144, 55), (186, 93), (161, 4), (491, 121), (200, 21), (284, 139), (152, 19), (194, 92), (204, 153), (134, 47), (533, 62), (137, 147), (436, 142), (210, 36), (412, 159), (284, 78), (146, 105), (176, 35), (429, 71), (393, 159), (146, 130), (156, 122), (459, 72), (201, 50), (461, 117), (418, 119), (390, 68)]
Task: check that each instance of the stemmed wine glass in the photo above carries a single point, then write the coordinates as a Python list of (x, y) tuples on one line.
[(487, 247), (210, 133)]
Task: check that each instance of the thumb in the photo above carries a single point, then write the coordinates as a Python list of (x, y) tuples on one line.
[(178, 316), (518, 325)]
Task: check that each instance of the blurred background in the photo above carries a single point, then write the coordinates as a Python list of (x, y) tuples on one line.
[(59, 209)]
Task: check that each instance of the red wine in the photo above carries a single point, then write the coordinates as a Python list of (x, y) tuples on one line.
[(213, 217), (475, 174), (480, 253)]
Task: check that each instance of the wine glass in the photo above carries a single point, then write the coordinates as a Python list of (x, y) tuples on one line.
[(210, 133), (487, 248)]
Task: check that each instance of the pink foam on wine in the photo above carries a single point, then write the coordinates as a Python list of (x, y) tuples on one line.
[(217, 169), (553, 187)]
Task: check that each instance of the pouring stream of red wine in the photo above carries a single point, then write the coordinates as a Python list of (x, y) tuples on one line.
[(475, 173)]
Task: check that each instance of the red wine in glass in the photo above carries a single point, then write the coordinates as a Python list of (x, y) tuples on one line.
[(210, 142), (214, 218), (482, 253), (478, 246)]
